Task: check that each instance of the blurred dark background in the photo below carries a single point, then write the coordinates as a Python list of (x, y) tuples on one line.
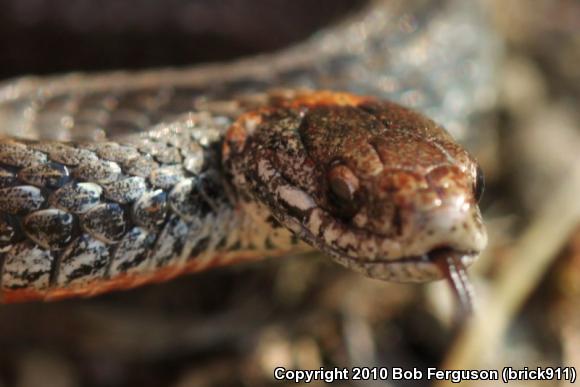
[(48, 36)]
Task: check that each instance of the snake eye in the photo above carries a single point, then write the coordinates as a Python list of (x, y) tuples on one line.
[(479, 186), (343, 183)]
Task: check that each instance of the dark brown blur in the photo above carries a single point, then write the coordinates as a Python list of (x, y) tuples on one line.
[(48, 36)]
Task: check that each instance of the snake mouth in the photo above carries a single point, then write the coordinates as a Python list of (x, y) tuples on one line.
[(433, 256), (433, 265)]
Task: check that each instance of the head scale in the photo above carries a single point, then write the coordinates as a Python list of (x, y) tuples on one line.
[(379, 187)]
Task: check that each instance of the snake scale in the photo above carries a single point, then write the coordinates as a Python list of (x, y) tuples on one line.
[(113, 180)]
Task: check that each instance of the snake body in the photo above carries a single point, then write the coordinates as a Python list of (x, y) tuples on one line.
[(115, 180)]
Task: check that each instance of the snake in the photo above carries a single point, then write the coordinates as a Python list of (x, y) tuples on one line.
[(113, 180)]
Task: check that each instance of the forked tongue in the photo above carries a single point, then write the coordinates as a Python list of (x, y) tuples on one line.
[(455, 273)]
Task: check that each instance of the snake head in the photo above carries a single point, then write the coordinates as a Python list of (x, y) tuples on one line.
[(378, 187)]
